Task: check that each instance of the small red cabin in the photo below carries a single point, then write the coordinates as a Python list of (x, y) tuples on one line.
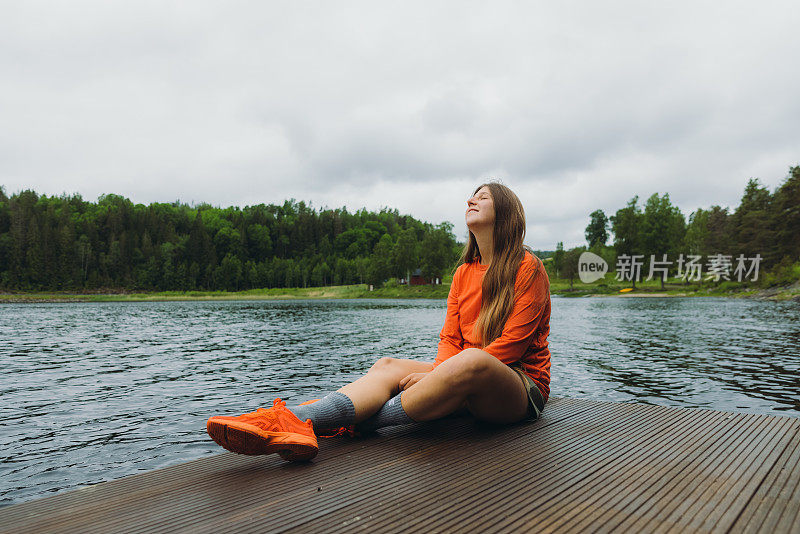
[(418, 280)]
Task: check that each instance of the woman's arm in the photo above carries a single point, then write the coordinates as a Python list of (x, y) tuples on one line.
[(450, 340)]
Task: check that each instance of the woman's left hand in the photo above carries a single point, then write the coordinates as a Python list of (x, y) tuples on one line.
[(410, 380)]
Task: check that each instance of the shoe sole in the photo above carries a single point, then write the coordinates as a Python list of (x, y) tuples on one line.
[(242, 438)]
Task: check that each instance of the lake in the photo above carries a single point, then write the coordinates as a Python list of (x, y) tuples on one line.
[(97, 391)]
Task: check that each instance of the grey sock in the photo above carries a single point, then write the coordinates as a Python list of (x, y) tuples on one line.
[(335, 410), (390, 414)]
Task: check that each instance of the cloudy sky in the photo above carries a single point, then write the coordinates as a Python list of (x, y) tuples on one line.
[(574, 105)]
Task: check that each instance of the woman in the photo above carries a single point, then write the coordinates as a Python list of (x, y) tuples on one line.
[(493, 358)]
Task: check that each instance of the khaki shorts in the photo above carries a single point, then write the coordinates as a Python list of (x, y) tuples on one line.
[(535, 397)]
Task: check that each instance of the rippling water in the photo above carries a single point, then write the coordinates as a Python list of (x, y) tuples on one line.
[(93, 392)]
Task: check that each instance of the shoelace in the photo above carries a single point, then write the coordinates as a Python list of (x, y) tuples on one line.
[(342, 431), (277, 403), (280, 415), (285, 412)]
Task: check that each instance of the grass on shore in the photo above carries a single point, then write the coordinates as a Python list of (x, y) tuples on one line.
[(673, 287), (608, 286), (327, 292)]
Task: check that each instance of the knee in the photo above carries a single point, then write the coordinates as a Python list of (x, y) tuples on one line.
[(383, 364), (469, 367)]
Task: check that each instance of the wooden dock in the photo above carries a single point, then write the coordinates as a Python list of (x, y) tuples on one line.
[(585, 466)]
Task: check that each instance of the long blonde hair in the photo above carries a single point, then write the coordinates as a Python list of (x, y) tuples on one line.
[(497, 290)]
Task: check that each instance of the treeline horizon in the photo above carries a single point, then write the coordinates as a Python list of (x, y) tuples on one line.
[(66, 243), (764, 223)]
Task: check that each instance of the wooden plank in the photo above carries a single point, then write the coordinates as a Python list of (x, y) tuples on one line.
[(700, 470), (540, 488), (775, 507), (744, 476), (558, 490), (636, 471), (453, 478), (669, 462), (718, 476)]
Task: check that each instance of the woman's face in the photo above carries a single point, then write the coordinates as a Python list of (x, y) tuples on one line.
[(480, 209)]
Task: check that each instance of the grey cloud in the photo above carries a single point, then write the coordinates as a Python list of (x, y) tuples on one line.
[(451, 113), (373, 106)]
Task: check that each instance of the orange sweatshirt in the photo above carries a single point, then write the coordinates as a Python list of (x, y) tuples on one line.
[(524, 336)]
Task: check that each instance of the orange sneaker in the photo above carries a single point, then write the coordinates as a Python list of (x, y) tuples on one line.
[(334, 432), (265, 431)]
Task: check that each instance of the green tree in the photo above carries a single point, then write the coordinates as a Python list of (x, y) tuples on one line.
[(352, 243), (169, 274), (227, 241), (259, 241), (381, 264), (182, 277), (84, 249), (362, 268), (198, 245), (751, 224), (436, 251), (193, 276), (5, 239), (21, 211), (558, 259), (406, 253), (343, 271), (570, 268), (663, 229), (151, 276), (34, 255), (696, 232), (626, 225), (597, 230), (718, 237), (229, 273), (320, 275), (786, 216), (708, 232)]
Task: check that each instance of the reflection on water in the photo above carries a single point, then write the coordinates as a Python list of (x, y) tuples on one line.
[(94, 392), (723, 354)]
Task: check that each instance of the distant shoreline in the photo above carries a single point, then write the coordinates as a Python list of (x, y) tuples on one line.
[(785, 293), (361, 291), (327, 292)]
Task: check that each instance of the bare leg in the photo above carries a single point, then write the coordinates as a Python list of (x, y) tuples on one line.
[(491, 390), (381, 383)]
